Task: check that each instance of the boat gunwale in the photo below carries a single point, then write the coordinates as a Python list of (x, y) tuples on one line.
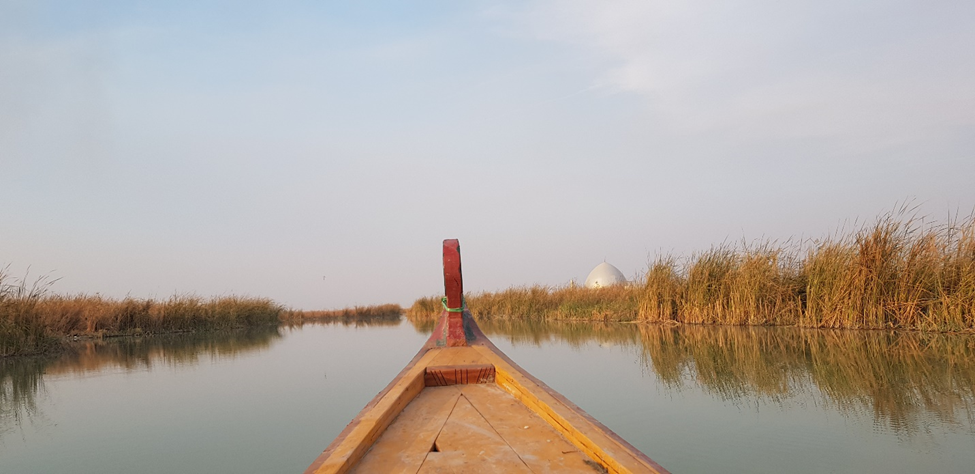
[(354, 453), (482, 339), (344, 434), (456, 329)]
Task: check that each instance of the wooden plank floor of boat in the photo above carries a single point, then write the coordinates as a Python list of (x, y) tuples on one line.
[(471, 428)]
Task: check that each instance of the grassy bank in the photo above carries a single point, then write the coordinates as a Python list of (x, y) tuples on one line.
[(366, 314), (30, 326), (894, 274), (33, 321), (539, 302)]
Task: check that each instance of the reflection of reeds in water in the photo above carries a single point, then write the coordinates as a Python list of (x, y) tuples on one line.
[(575, 333), (901, 377), (21, 378), (354, 321), (933, 374), (132, 353), (728, 361), (378, 315)]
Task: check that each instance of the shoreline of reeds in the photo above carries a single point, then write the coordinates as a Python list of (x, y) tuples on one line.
[(895, 274), (34, 322), (375, 313)]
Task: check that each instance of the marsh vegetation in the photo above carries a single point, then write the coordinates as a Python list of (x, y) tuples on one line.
[(35, 321), (902, 378), (897, 273), (376, 314), (884, 398)]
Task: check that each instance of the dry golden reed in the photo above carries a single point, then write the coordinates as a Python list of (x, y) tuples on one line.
[(365, 312), (540, 302), (384, 314), (894, 274), (32, 321)]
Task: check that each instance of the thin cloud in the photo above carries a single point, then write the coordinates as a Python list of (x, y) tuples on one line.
[(887, 72)]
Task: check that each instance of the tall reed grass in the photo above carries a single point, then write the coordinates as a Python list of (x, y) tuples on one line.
[(377, 314), (540, 302), (33, 321), (87, 315), (897, 273), (20, 330)]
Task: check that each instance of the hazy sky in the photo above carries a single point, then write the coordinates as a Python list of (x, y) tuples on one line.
[(317, 153)]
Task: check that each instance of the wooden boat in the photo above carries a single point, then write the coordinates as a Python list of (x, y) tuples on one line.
[(461, 405)]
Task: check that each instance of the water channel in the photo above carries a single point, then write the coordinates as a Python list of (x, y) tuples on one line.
[(695, 399)]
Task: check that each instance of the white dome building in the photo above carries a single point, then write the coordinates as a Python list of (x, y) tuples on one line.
[(605, 275)]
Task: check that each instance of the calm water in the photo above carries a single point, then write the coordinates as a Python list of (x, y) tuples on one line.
[(694, 399)]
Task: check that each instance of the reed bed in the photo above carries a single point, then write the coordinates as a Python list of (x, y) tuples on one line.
[(894, 274), (95, 315), (377, 314), (897, 273), (616, 303), (33, 321), (21, 331)]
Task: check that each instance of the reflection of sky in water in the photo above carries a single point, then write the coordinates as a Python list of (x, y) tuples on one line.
[(764, 399), (695, 400), (267, 410), (689, 429)]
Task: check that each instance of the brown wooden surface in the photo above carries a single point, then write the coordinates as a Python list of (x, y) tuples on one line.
[(459, 374), (395, 426), (409, 427), (346, 450), (479, 428), (468, 442), (459, 356), (531, 437), (574, 422), (405, 444)]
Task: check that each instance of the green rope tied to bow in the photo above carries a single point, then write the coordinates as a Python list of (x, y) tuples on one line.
[(463, 302)]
